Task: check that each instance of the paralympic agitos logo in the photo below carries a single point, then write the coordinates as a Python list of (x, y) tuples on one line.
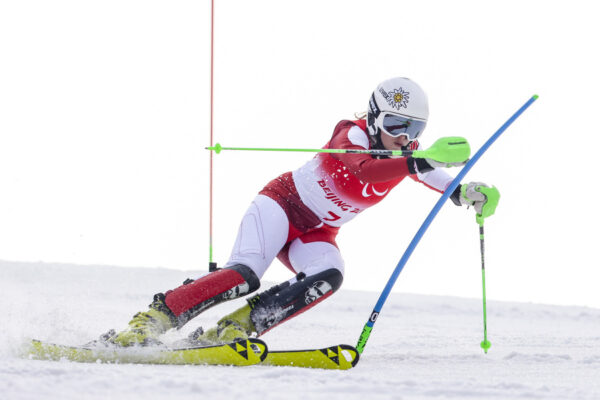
[(365, 191)]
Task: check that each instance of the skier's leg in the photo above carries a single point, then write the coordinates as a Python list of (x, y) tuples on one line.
[(176, 307), (193, 297), (312, 257), (320, 268), (262, 233)]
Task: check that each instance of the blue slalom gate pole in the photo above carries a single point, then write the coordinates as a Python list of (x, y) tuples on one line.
[(364, 336)]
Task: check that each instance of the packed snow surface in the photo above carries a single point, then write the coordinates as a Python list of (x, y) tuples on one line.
[(422, 347)]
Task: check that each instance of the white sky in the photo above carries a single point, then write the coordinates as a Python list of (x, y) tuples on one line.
[(104, 116)]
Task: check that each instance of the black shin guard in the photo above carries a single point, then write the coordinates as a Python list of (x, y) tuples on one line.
[(286, 300)]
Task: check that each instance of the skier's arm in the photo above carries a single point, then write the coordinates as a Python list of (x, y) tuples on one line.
[(437, 179), (474, 194), (363, 166)]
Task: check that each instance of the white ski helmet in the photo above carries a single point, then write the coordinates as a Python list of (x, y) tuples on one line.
[(398, 106)]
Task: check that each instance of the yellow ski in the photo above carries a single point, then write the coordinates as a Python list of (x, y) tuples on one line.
[(342, 356), (243, 353)]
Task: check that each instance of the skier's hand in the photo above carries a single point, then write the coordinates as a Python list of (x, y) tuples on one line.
[(482, 197), (437, 164)]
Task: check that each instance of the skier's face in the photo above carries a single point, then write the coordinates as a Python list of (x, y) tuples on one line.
[(394, 143)]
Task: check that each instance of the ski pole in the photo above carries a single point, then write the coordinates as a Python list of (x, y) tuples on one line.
[(492, 196), (450, 149), (366, 332), (485, 344)]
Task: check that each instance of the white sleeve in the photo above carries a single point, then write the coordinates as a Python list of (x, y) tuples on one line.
[(438, 179)]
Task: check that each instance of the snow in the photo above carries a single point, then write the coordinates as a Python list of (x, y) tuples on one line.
[(422, 347)]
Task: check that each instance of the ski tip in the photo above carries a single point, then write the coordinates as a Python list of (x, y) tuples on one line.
[(535, 96), (353, 351)]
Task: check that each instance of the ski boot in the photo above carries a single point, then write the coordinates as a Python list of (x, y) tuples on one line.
[(236, 326), (145, 327)]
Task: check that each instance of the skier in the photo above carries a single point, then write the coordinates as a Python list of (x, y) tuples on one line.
[(296, 218)]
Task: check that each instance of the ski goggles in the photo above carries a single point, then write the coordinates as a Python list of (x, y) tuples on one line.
[(396, 125)]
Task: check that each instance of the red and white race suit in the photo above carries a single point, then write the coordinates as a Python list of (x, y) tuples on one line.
[(306, 207), (337, 187)]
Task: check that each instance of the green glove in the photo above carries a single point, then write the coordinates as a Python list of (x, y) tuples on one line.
[(446, 152), (482, 197)]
